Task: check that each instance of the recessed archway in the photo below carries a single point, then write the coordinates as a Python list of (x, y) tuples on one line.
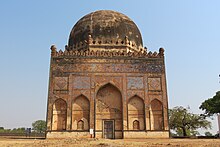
[(109, 107), (156, 115), (136, 125), (59, 115), (136, 113), (80, 113)]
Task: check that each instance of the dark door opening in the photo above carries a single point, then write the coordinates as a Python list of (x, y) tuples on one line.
[(108, 129)]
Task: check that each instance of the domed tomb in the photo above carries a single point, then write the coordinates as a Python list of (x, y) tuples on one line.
[(105, 28), (100, 85)]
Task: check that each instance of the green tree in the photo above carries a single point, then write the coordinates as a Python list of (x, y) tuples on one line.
[(185, 123), (39, 126), (208, 134), (2, 129), (17, 130), (211, 105)]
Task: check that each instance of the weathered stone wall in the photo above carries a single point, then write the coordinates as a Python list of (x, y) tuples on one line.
[(148, 134), (133, 82), (68, 134)]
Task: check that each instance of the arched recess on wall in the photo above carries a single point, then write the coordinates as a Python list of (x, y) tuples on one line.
[(136, 113), (109, 107), (80, 113), (156, 115), (136, 125), (80, 125), (59, 115)]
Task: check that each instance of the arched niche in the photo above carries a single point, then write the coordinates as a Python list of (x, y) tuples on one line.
[(136, 125), (109, 107), (80, 113), (59, 115), (156, 115), (136, 112), (80, 125)]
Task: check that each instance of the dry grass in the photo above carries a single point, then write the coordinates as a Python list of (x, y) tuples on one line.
[(22, 142)]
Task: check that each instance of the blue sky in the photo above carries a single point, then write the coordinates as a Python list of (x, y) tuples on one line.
[(188, 30)]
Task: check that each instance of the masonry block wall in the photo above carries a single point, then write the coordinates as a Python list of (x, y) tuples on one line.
[(86, 89)]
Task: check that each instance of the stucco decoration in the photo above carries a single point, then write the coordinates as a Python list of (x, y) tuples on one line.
[(112, 68), (81, 82), (61, 83), (135, 83), (154, 84)]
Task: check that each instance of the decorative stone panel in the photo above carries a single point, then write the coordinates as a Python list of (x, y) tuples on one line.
[(100, 80), (108, 68), (61, 83), (81, 82), (154, 84), (158, 97), (85, 92), (131, 93), (135, 83)]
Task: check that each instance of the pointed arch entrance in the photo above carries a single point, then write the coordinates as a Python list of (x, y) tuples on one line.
[(136, 113), (156, 115), (59, 115), (80, 113), (108, 110)]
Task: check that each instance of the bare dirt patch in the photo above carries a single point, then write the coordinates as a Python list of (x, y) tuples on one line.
[(12, 142)]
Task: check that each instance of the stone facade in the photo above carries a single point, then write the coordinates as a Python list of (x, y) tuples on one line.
[(116, 93)]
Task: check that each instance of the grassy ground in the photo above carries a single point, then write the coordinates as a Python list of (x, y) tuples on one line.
[(29, 142)]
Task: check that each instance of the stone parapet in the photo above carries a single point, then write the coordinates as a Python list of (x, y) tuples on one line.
[(106, 53)]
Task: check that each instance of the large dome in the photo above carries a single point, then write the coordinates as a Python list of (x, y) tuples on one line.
[(105, 25)]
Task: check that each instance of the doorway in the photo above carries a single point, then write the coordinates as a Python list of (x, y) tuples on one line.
[(108, 129)]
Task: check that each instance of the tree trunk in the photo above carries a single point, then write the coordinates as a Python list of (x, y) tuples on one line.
[(184, 131)]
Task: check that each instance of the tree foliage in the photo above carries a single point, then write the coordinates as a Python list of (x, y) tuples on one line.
[(185, 123), (211, 105), (39, 126), (15, 130), (208, 133)]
